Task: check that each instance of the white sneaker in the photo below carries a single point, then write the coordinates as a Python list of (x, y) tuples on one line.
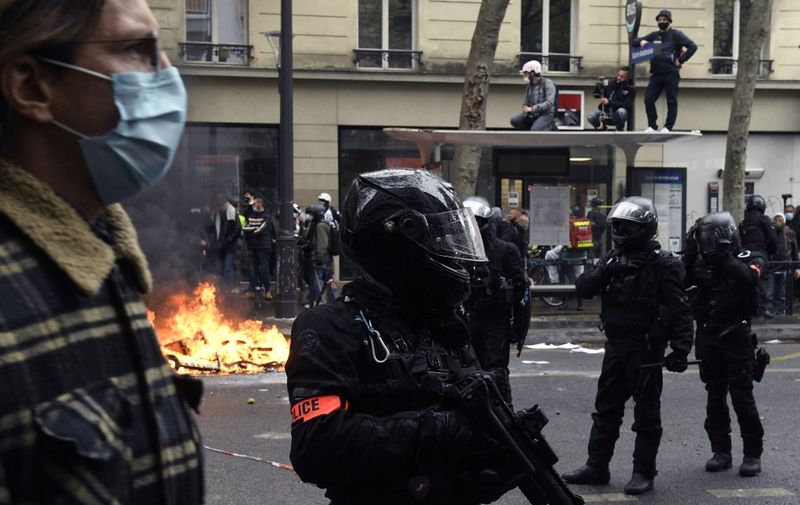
[(665, 130), (649, 130)]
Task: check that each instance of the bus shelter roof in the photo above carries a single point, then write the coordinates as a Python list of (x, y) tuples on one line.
[(629, 142)]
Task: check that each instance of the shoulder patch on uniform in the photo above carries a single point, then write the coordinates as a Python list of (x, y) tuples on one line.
[(307, 342)]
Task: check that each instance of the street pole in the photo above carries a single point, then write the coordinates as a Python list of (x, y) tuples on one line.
[(633, 18), (286, 301)]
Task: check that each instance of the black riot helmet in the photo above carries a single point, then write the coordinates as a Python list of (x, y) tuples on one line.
[(596, 202), (756, 202), (634, 209), (408, 230), (716, 235)]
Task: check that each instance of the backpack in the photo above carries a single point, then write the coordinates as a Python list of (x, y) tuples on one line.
[(580, 233)]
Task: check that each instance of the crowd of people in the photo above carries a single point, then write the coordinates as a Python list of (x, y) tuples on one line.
[(236, 240), (672, 49)]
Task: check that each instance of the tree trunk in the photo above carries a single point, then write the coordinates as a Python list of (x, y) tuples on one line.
[(741, 108), (480, 65)]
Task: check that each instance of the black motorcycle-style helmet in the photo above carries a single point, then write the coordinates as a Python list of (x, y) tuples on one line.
[(408, 230), (716, 235), (756, 202), (597, 202), (638, 210)]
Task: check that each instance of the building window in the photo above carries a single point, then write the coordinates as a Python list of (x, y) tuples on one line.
[(386, 34), (547, 34), (729, 25), (216, 32)]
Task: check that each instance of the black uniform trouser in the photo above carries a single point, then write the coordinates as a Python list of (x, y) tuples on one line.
[(667, 83), (490, 332), (620, 379), (727, 367)]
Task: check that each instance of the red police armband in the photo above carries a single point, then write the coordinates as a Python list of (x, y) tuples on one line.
[(310, 408)]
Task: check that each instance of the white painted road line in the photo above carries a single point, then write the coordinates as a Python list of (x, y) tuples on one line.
[(606, 497), (749, 493)]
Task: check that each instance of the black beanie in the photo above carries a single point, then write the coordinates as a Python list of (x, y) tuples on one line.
[(665, 13)]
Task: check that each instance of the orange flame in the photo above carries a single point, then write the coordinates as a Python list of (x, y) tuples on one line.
[(198, 338)]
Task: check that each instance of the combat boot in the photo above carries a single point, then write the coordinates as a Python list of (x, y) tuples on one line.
[(750, 467), (639, 484), (720, 461), (587, 475)]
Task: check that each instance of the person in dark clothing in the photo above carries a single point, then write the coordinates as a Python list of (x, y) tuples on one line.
[(643, 308), (320, 257), (225, 232), (780, 275), (757, 234), (366, 373), (616, 101), (676, 49), (511, 231), (496, 287), (259, 233), (726, 282), (597, 218)]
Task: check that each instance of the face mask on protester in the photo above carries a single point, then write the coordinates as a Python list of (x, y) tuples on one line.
[(663, 26), (788, 215), (139, 150)]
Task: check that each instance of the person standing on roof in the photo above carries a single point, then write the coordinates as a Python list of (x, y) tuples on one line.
[(676, 49), (538, 104)]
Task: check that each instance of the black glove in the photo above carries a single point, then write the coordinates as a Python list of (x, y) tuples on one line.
[(676, 361), (487, 474), (450, 432), (618, 264)]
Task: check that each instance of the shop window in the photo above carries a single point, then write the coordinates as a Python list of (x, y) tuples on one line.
[(216, 32), (386, 35), (547, 34)]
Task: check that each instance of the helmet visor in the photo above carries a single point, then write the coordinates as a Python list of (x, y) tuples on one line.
[(629, 211), (453, 234)]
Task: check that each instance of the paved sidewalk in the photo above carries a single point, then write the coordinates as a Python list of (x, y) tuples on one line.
[(566, 325)]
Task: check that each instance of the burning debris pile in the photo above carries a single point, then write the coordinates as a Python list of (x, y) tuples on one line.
[(197, 338)]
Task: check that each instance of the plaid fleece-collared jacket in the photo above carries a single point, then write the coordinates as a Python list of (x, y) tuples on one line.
[(90, 413)]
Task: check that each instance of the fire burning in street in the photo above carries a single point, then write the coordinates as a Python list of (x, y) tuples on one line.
[(197, 338)]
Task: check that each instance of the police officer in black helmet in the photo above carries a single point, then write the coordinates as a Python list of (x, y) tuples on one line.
[(758, 235), (643, 309), (497, 286), (724, 299), (366, 374)]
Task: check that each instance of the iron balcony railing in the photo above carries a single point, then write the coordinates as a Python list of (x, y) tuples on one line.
[(229, 54), (724, 65), (387, 58), (555, 62)]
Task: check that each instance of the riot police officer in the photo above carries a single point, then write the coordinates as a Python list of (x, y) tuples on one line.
[(497, 286), (758, 235), (725, 279), (643, 308), (366, 374)]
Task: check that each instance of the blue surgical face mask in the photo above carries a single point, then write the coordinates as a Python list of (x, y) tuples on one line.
[(139, 151), (789, 215)]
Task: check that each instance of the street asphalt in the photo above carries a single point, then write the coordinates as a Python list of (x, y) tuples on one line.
[(250, 415)]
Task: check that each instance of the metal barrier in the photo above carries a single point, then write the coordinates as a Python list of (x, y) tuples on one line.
[(786, 268)]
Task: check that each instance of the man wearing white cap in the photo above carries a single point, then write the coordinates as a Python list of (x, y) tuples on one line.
[(538, 105), (331, 214)]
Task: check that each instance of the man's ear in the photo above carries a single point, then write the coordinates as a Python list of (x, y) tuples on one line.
[(27, 88)]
